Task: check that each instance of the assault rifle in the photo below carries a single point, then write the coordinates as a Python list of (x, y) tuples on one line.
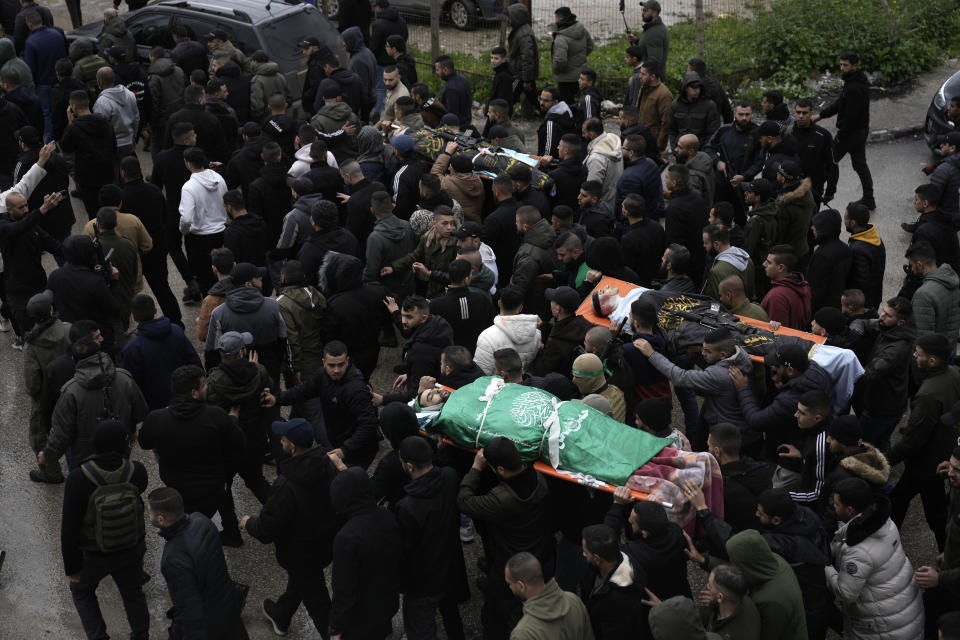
[(102, 265), (714, 320)]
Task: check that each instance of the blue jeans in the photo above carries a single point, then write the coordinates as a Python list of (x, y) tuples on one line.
[(380, 90), (43, 94)]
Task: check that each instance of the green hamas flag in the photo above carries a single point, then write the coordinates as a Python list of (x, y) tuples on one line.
[(569, 436)]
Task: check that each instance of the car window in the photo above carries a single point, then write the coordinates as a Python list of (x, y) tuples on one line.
[(151, 29), (281, 36), (241, 36)]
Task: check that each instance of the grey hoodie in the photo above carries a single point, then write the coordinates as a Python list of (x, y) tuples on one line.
[(604, 162), (119, 105), (246, 309), (296, 224), (9, 60), (390, 239), (720, 402), (702, 180)]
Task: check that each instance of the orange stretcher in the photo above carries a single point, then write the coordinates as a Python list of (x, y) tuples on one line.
[(586, 310), (546, 469)]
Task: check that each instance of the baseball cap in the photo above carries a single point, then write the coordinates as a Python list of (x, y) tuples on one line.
[(952, 416), (246, 272), (565, 297), (653, 5), (468, 230), (39, 305), (402, 143), (845, 430), (788, 355), (116, 52), (232, 342), (312, 41), (761, 186), (298, 431), (953, 138), (28, 135), (770, 128), (450, 120), (598, 402), (217, 34), (790, 170)]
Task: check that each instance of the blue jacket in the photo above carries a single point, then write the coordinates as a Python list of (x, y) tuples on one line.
[(158, 348), (44, 47), (643, 177)]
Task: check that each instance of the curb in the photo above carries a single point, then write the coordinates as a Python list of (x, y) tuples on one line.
[(886, 135)]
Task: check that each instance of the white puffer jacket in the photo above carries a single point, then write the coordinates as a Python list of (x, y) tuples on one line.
[(873, 579), (508, 332)]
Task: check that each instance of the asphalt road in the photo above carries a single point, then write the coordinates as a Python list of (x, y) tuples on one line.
[(34, 598)]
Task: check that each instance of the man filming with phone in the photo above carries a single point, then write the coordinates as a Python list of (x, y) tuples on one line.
[(654, 41)]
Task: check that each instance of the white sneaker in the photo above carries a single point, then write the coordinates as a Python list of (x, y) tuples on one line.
[(18, 343), (4, 324), (466, 529)]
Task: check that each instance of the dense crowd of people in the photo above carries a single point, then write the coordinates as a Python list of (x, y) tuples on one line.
[(311, 233)]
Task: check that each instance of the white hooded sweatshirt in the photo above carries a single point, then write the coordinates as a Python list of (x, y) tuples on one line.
[(508, 332), (201, 204), (604, 163)]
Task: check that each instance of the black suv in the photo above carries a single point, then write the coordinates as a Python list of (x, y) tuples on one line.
[(275, 26)]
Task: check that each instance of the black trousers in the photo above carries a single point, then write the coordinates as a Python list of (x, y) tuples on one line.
[(17, 304), (310, 588), (76, 16), (855, 143), (936, 602), (126, 569), (174, 245), (155, 273), (420, 617), (90, 195), (932, 495), (198, 257)]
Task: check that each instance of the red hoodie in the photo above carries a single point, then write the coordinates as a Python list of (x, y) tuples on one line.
[(788, 302)]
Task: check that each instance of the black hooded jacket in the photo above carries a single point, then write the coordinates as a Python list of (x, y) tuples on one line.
[(356, 313), (422, 348), (205, 600), (90, 138), (298, 517), (829, 264), (246, 236), (238, 89), (397, 421), (245, 164), (239, 383), (196, 444), (615, 602), (430, 529), (662, 558), (388, 22), (23, 242), (852, 107), (359, 219), (81, 293), (269, 197), (348, 412), (743, 482), (367, 554)]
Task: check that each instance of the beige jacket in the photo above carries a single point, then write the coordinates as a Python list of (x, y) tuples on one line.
[(465, 188)]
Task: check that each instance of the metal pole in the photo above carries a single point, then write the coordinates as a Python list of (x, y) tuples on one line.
[(434, 29), (700, 20), (503, 24)]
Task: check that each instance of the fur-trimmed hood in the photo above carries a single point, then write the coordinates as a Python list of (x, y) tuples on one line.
[(797, 191), (870, 465)]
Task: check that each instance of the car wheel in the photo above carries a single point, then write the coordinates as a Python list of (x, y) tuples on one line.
[(463, 14), (333, 9)]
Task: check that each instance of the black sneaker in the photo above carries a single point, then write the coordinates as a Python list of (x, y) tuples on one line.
[(192, 292), (38, 476), (270, 610), (18, 343)]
